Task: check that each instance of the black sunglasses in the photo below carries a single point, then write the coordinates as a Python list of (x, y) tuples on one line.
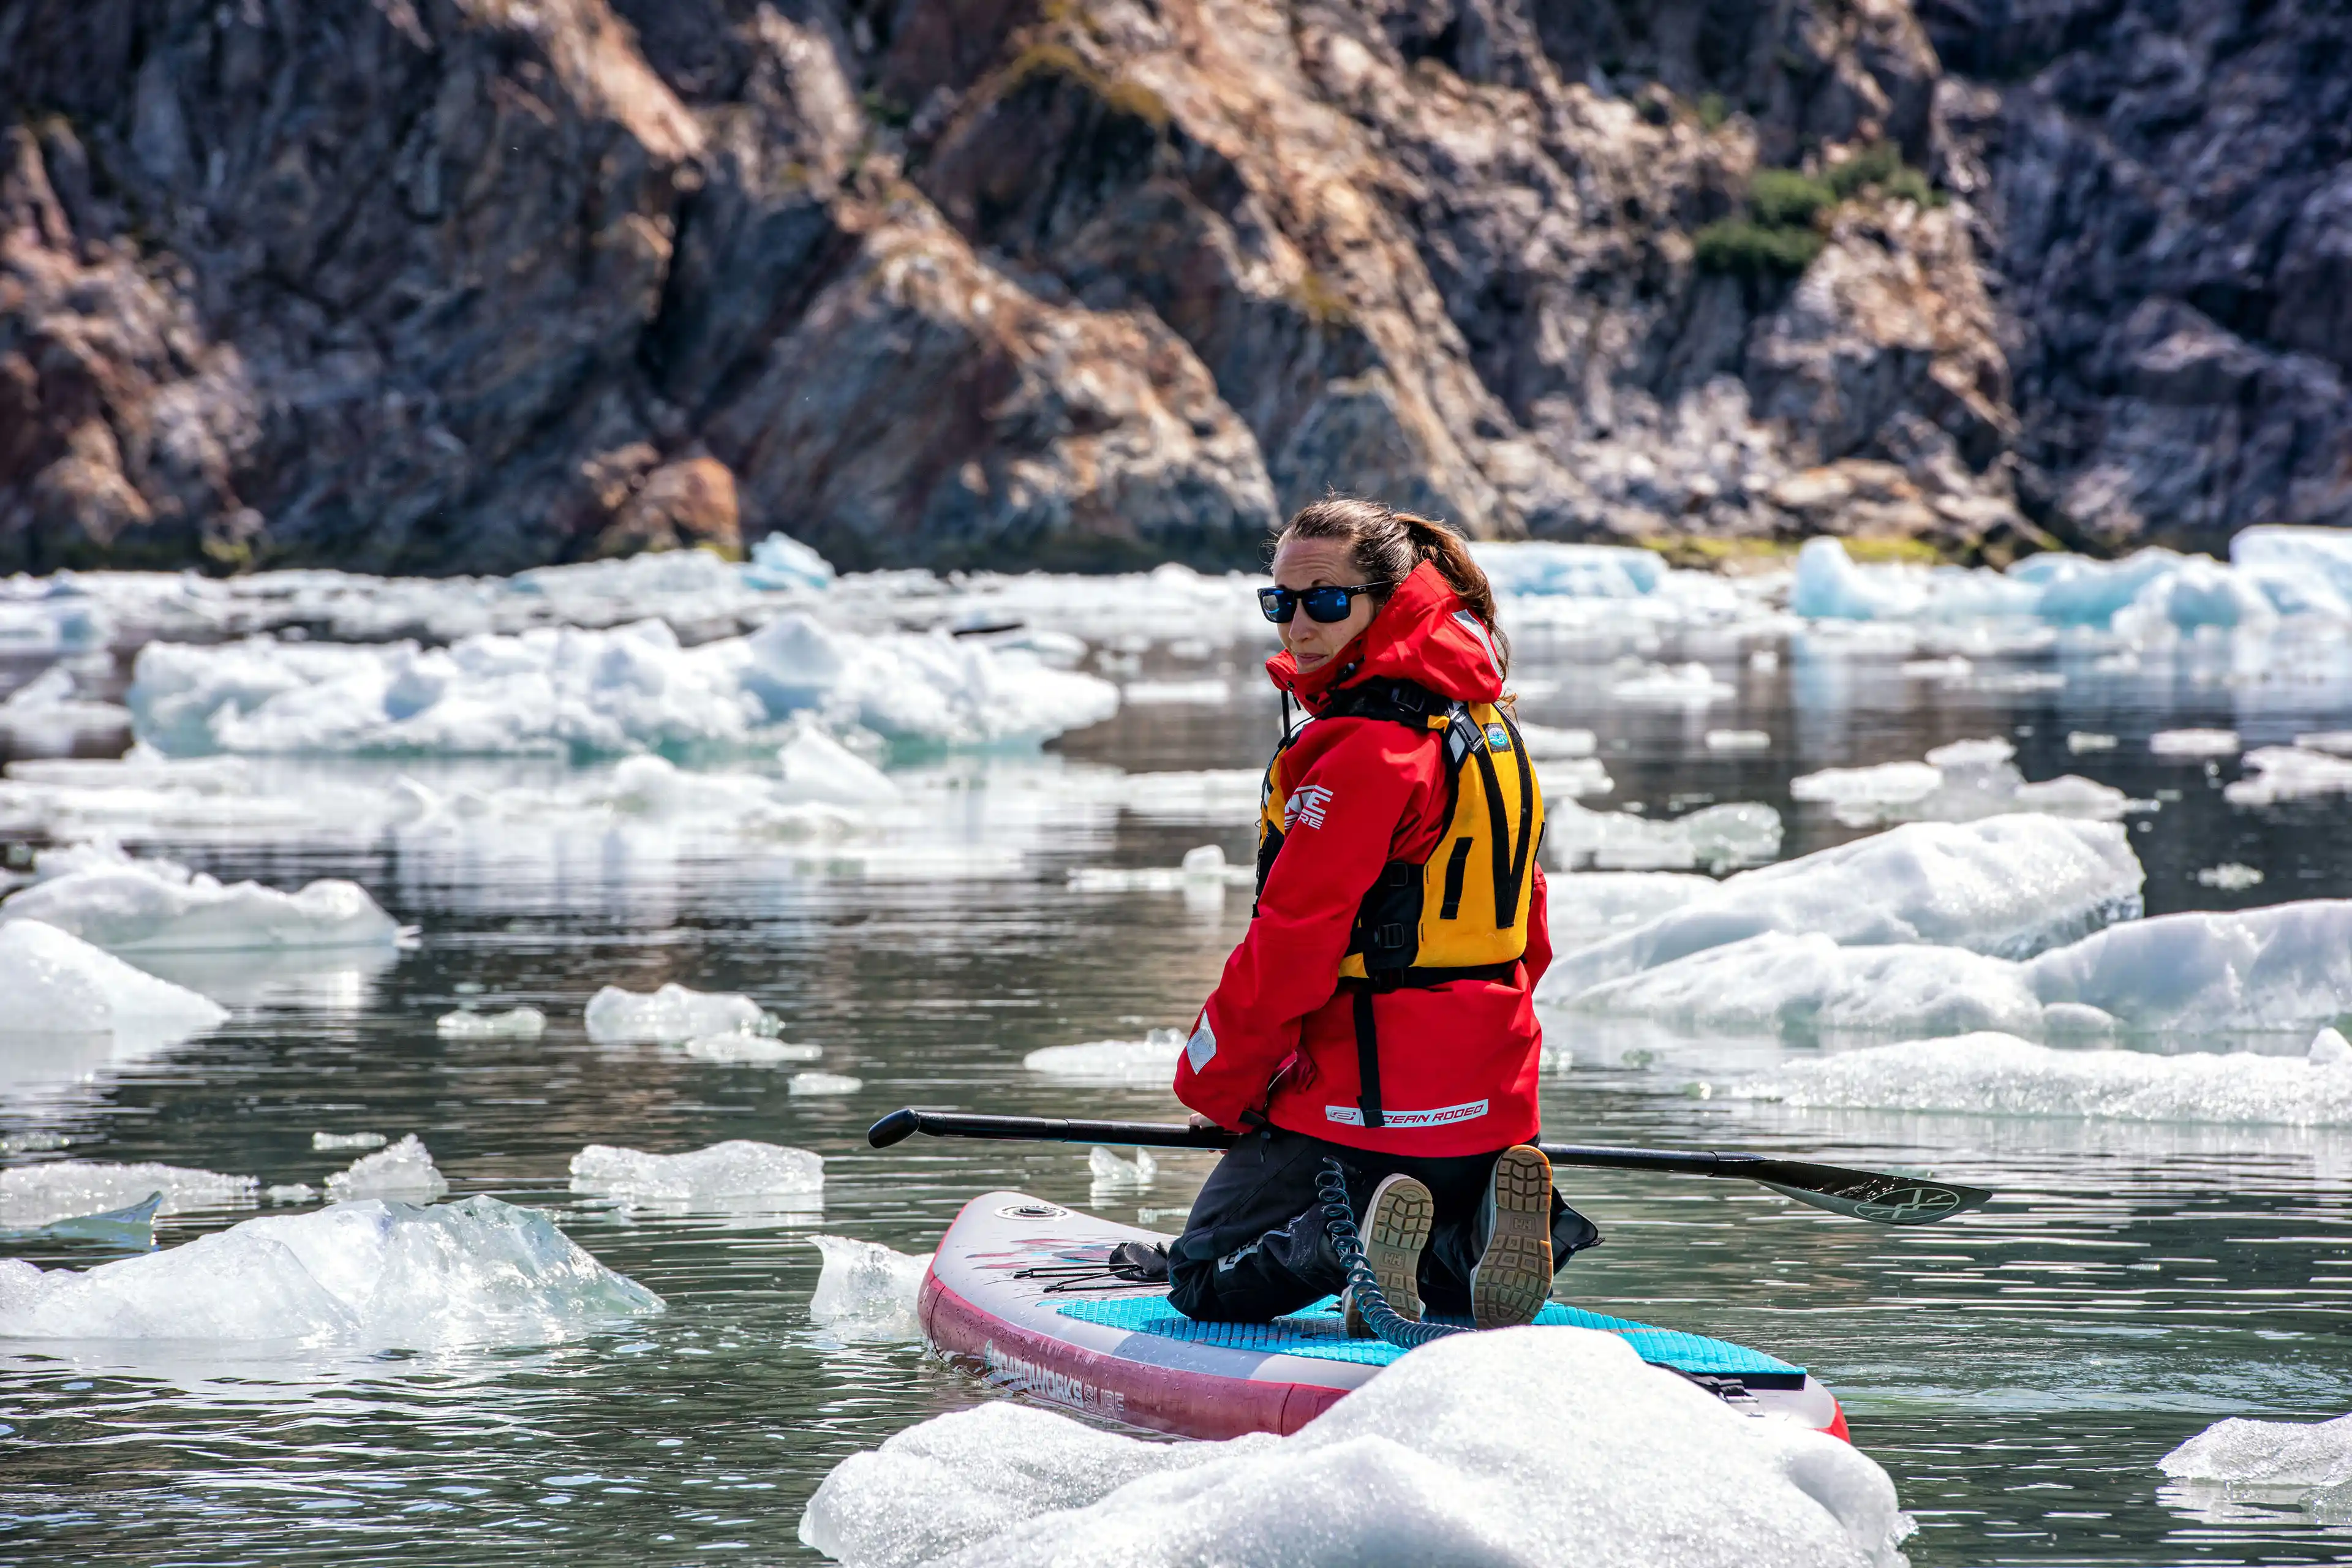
[(1325, 605)]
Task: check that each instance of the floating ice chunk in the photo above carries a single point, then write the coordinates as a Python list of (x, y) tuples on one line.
[(1113, 1174), (57, 984), (867, 1291), (367, 1275), (1882, 783), (2194, 744), (1543, 742), (31, 1195), (514, 1024), (1738, 741), (1212, 795), (671, 1015), (2284, 967), (2266, 1453), (2230, 876), (1957, 782), (1151, 1059), (2006, 886), (823, 1083), (781, 561), (738, 1168), (1716, 836), (323, 1142), (1593, 1456), (156, 906), (819, 768), (1572, 778), (45, 712), (131, 1226), (404, 1170), (749, 1051), (290, 1193), (1996, 1074), (1204, 866), (1544, 568), (1207, 692), (2337, 742), (1677, 686), (2328, 1048), (2278, 773), (1586, 906), (2081, 741)]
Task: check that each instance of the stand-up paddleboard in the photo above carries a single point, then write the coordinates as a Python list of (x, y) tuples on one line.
[(1024, 1288)]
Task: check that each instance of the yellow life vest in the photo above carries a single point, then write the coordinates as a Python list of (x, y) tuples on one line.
[(1462, 913)]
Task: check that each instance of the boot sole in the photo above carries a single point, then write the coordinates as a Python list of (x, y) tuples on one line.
[(1513, 1279), (1396, 1227)]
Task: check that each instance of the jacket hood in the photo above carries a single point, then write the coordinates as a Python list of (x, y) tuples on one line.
[(1423, 634)]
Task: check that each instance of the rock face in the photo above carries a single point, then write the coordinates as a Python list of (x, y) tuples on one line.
[(467, 285)]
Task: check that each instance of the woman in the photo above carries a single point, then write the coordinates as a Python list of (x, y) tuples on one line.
[(1378, 1010)]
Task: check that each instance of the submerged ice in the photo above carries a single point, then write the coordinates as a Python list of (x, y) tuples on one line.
[(366, 1276), (865, 1290), (1518, 1446)]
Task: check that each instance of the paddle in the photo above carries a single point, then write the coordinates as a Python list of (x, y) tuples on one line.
[(1860, 1194)]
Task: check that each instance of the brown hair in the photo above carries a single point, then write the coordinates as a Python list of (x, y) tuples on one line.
[(1386, 544)]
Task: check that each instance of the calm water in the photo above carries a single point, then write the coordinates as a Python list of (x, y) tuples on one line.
[(2019, 1372)]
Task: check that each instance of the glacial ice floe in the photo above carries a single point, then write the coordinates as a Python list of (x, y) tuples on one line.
[(2274, 773), (111, 901), (1719, 837), (1589, 1456), (404, 1170), (1957, 782), (823, 1083), (867, 1291), (740, 1048), (1151, 1059), (360, 1275), (43, 1193), (2003, 886), (323, 1140), (2300, 1455), (1994, 1074), (2197, 743), (1586, 906), (55, 983), (48, 713), (1112, 1176), (514, 1024), (570, 693), (1202, 867), (671, 1015), (2285, 969), (736, 1169)]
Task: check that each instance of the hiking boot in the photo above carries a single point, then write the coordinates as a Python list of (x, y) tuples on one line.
[(1513, 1277), (1395, 1228)]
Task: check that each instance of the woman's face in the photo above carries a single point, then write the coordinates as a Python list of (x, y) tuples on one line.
[(1320, 563)]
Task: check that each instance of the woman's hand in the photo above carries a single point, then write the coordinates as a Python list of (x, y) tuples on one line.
[(1200, 1123)]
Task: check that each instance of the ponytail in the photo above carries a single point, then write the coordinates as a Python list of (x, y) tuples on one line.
[(1387, 544)]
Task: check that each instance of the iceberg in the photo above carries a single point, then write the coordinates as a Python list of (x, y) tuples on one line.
[(738, 1168), (363, 1276), (1671, 686), (1586, 906), (404, 1170), (867, 1291), (2005, 886), (780, 561), (35, 1195), (671, 1015), (57, 984), (1958, 783), (2297, 1454), (1586, 1454), (1112, 1176), (514, 1024), (157, 906), (45, 713), (324, 1141), (1719, 837), (2194, 744), (2288, 772), (1995, 1073), (1151, 1059)]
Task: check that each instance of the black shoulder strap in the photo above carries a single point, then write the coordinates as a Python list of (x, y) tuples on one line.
[(1403, 702)]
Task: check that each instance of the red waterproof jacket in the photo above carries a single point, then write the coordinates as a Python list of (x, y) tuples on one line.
[(1459, 1062)]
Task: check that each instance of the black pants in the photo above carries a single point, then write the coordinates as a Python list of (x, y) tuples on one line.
[(1255, 1246)]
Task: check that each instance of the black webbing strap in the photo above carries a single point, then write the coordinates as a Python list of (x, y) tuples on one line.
[(1527, 821), (1368, 1059), (1507, 896), (1367, 1034)]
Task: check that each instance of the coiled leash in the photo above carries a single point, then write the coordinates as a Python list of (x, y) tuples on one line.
[(1339, 1220)]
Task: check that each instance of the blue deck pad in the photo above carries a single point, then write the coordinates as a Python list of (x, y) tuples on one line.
[(1315, 1332)]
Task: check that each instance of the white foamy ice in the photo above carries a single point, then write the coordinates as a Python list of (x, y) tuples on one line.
[(1626, 595), (2194, 744), (124, 905), (1151, 1059), (404, 1171), (738, 1168), (1738, 741), (1957, 782), (1994, 1074), (1205, 691), (55, 983), (1586, 906), (75, 797), (823, 1083), (34, 1195), (1690, 685), (2006, 884), (366, 1276), (45, 712), (1112, 1175), (742, 1049), (323, 1142), (867, 1291), (820, 770), (1213, 795), (2230, 876), (2288, 772), (653, 792), (2285, 968), (671, 1015), (781, 561), (1545, 743), (2312, 1455), (1204, 867), (1588, 1455), (514, 1024), (1716, 836), (571, 692), (1569, 778)]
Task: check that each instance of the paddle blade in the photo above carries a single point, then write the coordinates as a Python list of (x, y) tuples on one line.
[(1867, 1195)]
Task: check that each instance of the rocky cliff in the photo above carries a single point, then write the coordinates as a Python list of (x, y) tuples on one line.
[(467, 285)]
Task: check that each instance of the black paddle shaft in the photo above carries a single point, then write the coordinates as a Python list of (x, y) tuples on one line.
[(1861, 1195)]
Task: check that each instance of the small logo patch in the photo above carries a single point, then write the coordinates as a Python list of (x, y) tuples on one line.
[(1351, 1116), (1202, 1048), (1306, 803), (1498, 739)]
